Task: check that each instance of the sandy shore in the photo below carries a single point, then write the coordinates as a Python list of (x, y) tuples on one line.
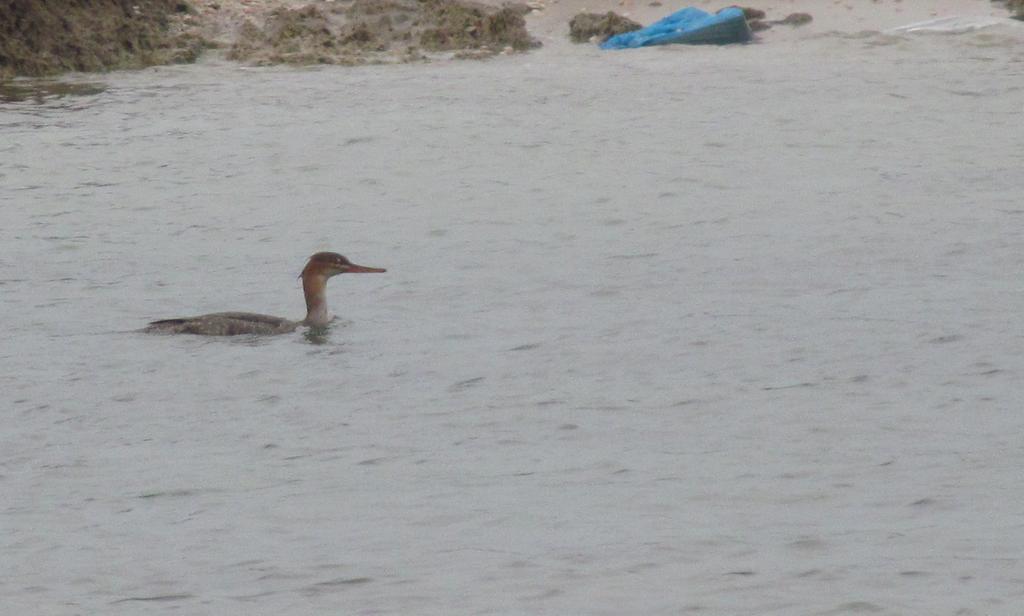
[(118, 35), (548, 20), (552, 16), (829, 15)]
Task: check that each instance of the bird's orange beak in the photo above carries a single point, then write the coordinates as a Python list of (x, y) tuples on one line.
[(362, 269)]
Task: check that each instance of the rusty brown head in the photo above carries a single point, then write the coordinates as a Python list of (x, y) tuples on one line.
[(331, 264)]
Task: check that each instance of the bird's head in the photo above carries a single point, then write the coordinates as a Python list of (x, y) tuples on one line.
[(329, 264)]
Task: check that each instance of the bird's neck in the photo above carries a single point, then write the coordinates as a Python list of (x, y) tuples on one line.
[(314, 286)]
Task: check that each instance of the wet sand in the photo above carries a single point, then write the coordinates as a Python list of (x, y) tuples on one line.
[(548, 20), (116, 35), (832, 16), (551, 17)]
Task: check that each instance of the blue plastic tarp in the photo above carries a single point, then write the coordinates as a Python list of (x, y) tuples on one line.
[(690, 26)]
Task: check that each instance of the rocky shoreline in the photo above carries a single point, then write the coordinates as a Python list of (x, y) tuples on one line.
[(48, 37), (45, 37), (375, 31)]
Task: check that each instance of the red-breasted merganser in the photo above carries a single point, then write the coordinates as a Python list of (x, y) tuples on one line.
[(320, 267)]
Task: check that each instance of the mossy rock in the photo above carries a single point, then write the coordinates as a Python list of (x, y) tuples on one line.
[(371, 31), (585, 26), (44, 37)]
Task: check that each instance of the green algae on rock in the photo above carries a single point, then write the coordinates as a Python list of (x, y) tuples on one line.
[(375, 31), (45, 37), (585, 26)]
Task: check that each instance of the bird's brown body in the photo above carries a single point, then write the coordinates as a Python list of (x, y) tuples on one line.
[(321, 267)]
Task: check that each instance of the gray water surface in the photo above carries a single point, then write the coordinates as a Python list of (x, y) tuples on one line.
[(680, 330)]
